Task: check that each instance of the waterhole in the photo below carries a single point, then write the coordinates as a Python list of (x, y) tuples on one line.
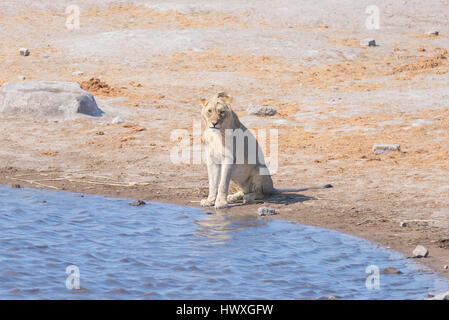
[(164, 251)]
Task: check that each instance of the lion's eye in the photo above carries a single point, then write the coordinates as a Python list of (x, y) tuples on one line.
[(209, 110)]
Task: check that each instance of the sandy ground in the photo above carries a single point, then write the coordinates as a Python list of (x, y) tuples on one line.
[(335, 99)]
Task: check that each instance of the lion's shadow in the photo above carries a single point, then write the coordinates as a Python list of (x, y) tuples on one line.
[(287, 198), (283, 198)]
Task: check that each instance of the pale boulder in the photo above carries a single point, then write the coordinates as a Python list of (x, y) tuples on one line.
[(46, 99), (420, 252)]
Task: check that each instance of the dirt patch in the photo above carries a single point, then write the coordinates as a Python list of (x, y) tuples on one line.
[(98, 87), (437, 60), (443, 243)]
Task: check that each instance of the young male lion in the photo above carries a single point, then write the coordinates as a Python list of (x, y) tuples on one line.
[(226, 161)]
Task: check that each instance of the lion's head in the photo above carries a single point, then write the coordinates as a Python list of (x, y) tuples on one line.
[(217, 113)]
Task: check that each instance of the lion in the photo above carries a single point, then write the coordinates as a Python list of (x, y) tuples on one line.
[(252, 178)]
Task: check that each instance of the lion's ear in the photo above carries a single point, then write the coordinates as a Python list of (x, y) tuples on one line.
[(203, 101), (225, 97)]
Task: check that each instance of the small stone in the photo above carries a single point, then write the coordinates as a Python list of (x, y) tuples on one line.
[(24, 52), (17, 186), (368, 42), (261, 110), (329, 298), (21, 77), (445, 267), (403, 224), (386, 148), (117, 120), (420, 252), (266, 211), (433, 33), (440, 296), (77, 73), (138, 203), (391, 270)]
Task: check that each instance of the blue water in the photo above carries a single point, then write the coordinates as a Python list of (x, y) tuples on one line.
[(162, 251)]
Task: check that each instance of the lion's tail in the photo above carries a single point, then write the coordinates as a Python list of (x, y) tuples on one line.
[(301, 189)]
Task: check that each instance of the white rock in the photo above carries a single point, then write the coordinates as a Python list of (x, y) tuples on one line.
[(46, 99), (24, 52), (329, 298), (21, 77), (77, 73), (261, 110), (266, 211), (117, 120), (440, 296), (402, 224), (433, 33), (386, 148), (368, 42), (420, 252), (445, 267)]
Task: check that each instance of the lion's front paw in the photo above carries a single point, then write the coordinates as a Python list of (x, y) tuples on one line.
[(207, 203), (235, 197), (220, 204)]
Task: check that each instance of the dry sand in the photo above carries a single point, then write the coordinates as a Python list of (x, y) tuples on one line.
[(335, 99)]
